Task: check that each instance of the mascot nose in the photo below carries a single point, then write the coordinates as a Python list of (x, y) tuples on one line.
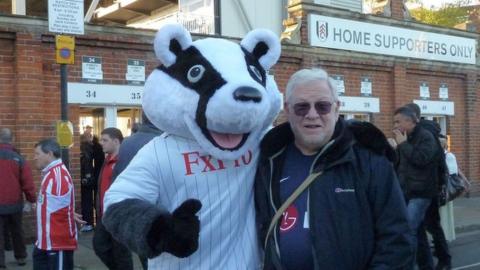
[(247, 94)]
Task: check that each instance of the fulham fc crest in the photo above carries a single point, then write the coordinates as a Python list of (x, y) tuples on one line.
[(322, 30)]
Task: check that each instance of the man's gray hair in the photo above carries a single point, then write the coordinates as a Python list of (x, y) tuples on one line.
[(6, 135), (307, 75), (50, 145)]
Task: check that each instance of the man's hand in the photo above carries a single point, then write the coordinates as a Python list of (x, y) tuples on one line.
[(78, 218), (400, 136), (177, 233), (392, 143)]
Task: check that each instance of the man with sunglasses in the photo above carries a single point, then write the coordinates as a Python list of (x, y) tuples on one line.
[(352, 216)]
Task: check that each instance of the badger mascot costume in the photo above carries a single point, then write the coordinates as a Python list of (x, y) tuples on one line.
[(186, 199)]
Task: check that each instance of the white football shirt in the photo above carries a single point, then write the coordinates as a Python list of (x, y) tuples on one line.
[(171, 169)]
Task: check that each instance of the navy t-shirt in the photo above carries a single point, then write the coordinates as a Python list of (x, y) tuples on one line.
[(295, 244)]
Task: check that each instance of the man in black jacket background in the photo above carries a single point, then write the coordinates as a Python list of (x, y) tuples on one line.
[(419, 156), (432, 216), (353, 215)]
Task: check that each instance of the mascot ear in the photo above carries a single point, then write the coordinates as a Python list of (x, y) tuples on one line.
[(263, 45), (170, 41)]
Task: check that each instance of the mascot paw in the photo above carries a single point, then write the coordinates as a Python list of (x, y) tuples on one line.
[(177, 233)]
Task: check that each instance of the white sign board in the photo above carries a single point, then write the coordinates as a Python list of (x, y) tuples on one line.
[(86, 93), (358, 36), (135, 71), (366, 86), (436, 107), (443, 91), (66, 16), (359, 104), (424, 90), (340, 83), (92, 69)]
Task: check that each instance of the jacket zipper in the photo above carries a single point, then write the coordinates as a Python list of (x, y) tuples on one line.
[(308, 200), (277, 249)]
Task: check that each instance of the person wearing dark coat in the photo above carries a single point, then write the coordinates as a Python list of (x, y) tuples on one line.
[(87, 181), (419, 157), (353, 215), (129, 148), (432, 222), (16, 181)]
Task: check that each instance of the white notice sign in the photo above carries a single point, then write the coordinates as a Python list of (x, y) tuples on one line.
[(66, 16), (340, 83), (443, 91), (424, 90), (135, 71), (366, 86), (92, 69)]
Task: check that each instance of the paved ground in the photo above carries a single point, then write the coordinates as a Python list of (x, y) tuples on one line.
[(465, 249)]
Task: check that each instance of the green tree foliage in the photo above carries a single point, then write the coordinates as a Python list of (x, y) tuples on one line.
[(448, 15)]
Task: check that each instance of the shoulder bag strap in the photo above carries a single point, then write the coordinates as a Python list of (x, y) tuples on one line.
[(289, 201)]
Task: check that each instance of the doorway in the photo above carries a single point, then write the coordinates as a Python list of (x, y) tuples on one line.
[(99, 118)]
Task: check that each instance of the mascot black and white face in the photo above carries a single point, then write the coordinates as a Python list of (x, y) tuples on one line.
[(213, 90)]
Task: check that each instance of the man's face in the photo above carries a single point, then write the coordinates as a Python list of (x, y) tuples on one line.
[(313, 130), (42, 159), (403, 123), (109, 145)]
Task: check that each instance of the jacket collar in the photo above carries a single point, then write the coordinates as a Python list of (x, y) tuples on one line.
[(7, 146), (279, 137), (149, 128), (52, 164)]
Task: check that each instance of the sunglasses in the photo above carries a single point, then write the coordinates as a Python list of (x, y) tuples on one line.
[(302, 108)]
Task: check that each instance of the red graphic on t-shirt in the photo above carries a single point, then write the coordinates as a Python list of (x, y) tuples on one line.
[(289, 219)]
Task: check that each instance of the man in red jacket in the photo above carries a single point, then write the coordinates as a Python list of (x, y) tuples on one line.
[(113, 254), (15, 179)]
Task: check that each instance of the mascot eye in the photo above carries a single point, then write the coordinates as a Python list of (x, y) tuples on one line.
[(255, 71), (195, 73)]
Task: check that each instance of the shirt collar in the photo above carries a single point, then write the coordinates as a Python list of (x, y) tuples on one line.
[(51, 165)]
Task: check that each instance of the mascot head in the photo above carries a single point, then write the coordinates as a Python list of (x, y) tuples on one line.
[(214, 91)]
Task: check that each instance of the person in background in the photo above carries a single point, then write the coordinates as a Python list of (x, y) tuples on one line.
[(432, 222), (348, 217), (129, 148), (87, 179), (135, 127), (15, 180), (112, 253), (419, 157), (56, 227)]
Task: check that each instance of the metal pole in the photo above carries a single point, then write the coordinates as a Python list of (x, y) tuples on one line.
[(64, 108)]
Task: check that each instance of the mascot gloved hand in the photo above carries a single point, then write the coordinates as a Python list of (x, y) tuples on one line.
[(214, 100), (177, 233)]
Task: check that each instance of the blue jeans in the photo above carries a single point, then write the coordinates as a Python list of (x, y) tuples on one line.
[(416, 209)]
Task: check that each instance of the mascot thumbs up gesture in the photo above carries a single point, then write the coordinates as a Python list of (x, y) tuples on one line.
[(186, 201)]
